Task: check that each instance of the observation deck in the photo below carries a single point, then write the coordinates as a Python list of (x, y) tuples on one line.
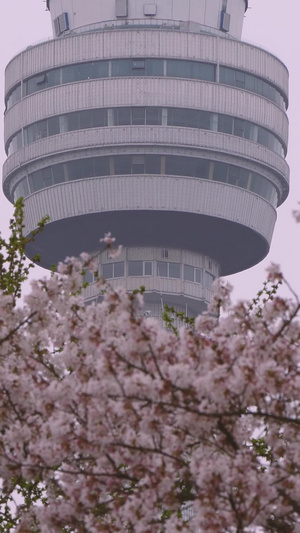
[(152, 121)]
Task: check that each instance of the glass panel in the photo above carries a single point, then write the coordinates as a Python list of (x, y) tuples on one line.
[(227, 76), (82, 71), (174, 270), (99, 118), (53, 77), (58, 173), (135, 268), (15, 144), (249, 131), (107, 270), (148, 268), (176, 165), (204, 119), (17, 94), (225, 124), (53, 126), (73, 121), (233, 175), (138, 164), (88, 277), (41, 131), (162, 269), (14, 96), (266, 89), (138, 63), (188, 273), (207, 72), (21, 190), (258, 86), (202, 168), (220, 172), (122, 164), (40, 179), (80, 169), (153, 164), (239, 127), (196, 70), (102, 166), (273, 95), (138, 115), (170, 118), (250, 84), (34, 84), (119, 269), (121, 67), (178, 117), (263, 137), (154, 67), (68, 74), (243, 178), (240, 78), (256, 184), (191, 118), (179, 69), (153, 116), (209, 279), (198, 275), (190, 167), (85, 119), (122, 116), (99, 69)]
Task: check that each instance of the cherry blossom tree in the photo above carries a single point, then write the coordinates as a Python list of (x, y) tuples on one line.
[(111, 423)]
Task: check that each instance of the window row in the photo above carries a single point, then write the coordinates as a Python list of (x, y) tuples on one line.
[(173, 68), (163, 269), (125, 116), (243, 80), (171, 165)]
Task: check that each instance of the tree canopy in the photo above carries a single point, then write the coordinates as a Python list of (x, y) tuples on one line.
[(110, 422)]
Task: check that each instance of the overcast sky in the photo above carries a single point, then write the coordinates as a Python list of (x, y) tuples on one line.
[(272, 24)]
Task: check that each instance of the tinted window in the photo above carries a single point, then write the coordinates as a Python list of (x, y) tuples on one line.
[(174, 270), (153, 115), (121, 67), (135, 268), (119, 269), (138, 115), (188, 273), (107, 270), (162, 269)]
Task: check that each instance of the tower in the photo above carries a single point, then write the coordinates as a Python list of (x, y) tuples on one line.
[(156, 122)]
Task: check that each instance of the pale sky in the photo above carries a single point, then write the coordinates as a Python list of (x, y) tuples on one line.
[(271, 24)]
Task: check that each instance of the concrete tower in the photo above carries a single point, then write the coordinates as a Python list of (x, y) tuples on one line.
[(154, 121)]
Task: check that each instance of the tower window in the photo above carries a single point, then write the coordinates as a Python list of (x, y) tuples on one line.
[(138, 63), (113, 270), (139, 268), (61, 23), (225, 21), (209, 279), (150, 10), (168, 270), (191, 273), (121, 8)]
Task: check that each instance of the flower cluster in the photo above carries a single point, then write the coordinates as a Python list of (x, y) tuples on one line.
[(111, 423)]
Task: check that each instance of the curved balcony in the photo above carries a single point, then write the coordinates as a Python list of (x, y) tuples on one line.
[(227, 223), (163, 92)]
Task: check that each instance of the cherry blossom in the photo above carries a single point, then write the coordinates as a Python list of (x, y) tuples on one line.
[(111, 423)]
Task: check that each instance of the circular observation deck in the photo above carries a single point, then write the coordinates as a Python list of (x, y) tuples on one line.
[(184, 148)]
